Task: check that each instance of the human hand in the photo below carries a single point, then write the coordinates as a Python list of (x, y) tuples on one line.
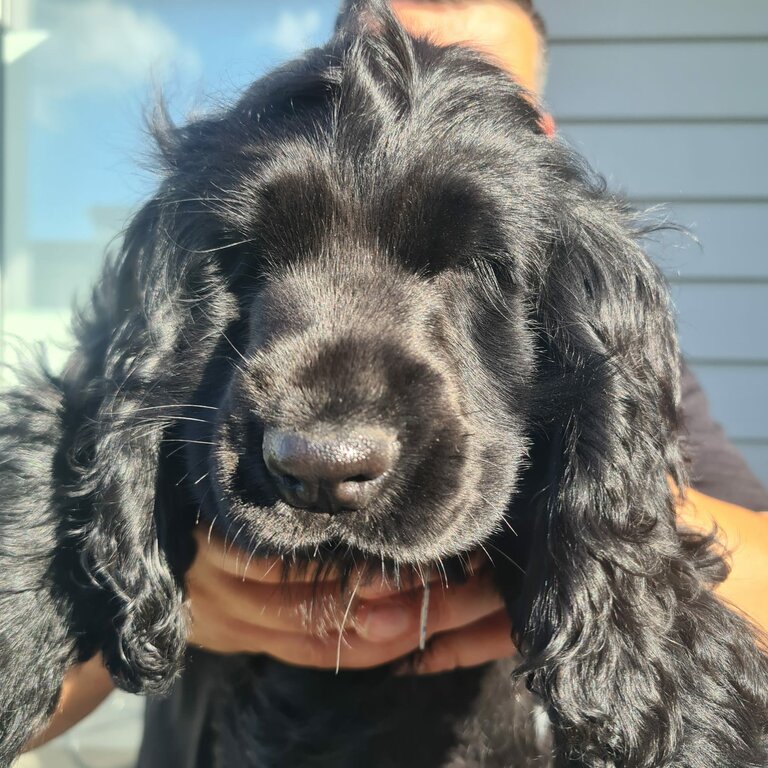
[(245, 606), (744, 535)]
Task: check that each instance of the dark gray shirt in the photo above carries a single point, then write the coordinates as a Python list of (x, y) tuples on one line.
[(717, 468)]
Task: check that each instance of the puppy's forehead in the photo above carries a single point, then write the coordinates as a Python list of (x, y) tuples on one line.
[(321, 161), (422, 208)]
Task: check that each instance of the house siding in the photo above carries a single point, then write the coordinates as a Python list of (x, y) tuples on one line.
[(668, 101)]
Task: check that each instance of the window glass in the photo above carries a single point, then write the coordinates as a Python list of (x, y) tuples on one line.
[(80, 77)]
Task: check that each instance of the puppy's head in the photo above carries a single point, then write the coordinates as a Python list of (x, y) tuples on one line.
[(378, 202)]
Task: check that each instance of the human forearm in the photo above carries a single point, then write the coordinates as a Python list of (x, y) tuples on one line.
[(84, 688), (745, 536)]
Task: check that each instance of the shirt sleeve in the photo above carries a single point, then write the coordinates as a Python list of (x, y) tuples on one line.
[(716, 467)]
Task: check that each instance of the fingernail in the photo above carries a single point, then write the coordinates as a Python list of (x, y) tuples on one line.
[(382, 622)]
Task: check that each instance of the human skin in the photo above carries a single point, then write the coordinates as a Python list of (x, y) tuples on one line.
[(233, 610), (498, 28), (744, 535)]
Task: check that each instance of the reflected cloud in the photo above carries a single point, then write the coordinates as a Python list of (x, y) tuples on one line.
[(293, 31), (105, 46)]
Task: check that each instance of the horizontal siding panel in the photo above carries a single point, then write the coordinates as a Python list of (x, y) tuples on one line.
[(684, 162), (732, 242), (659, 80), (757, 458), (654, 18), (739, 398), (723, 322)]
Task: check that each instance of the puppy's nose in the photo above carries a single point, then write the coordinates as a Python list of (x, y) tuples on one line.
[(330, 471)]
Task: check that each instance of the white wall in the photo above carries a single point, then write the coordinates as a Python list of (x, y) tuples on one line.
[(669, 101)]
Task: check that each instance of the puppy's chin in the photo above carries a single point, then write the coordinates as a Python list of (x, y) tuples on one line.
[(354, 536)]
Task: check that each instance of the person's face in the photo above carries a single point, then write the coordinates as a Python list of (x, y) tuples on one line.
[(499, 28)]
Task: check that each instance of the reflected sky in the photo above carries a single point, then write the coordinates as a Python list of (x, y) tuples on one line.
[(90, 82)]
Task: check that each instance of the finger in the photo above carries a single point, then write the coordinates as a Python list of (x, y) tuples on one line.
[(325, 607), (349, 651), (487, 640), (317, 609), (462, 604), (214, 554), (449, 608)]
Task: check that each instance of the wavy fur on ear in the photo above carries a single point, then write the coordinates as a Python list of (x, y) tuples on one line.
[(135, 372), (35, 611), (80, 548), (115, 453), (641, 665), (86, 563)]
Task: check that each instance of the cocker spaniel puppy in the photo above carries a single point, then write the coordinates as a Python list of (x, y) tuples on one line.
[(373, 314)]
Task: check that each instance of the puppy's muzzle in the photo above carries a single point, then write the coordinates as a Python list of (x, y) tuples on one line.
[(330, 470)]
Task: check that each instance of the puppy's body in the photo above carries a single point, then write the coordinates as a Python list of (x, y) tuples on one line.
[(270, 715), (374, 314)]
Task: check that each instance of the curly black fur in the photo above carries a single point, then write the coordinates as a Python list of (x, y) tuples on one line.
[(380, 233)]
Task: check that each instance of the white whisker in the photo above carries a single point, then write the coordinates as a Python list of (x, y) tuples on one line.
[(344, 623), (173, 405), (210, 530), (506, 557), (487, 554)]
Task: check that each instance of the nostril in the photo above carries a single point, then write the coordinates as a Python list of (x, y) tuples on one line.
[(330, 469), (296, 491), (303, 492), (352, 494)]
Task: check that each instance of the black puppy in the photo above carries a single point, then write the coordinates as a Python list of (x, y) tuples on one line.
[(372, 312)]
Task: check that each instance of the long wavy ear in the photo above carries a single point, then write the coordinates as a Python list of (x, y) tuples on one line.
[(92, 545), (127, 368), (81, 566), (116, 455), (639, 663), (35, 643)]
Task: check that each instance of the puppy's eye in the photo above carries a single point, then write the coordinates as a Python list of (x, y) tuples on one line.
[(494, 274), (450, 228)]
